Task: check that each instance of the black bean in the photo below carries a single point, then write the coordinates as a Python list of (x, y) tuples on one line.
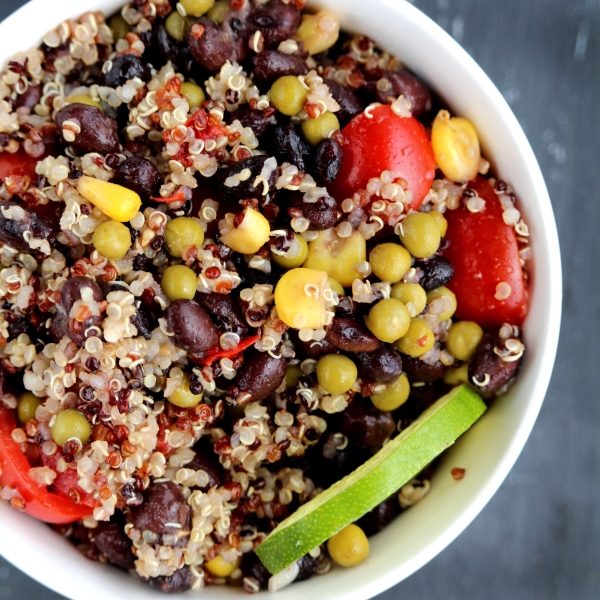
[(142, 263), (437, 271), (321, 215), (69, 294), (383, 365), (212, 468), (260, 375), (177, 583), (19, 326), (272, 64), (225, 312), (112, 542), (403, 83), (143, 322), (99, 132), (169, 49), (380, 517), (246, 189), (252, 567), (125, 67), (314, 349), (417, 370), (485, 364), (275, 20), (367, 426), (346, 307), (258, 120), (72, 288), (289, 146), (351, 336), (164, 503), (307, 567), (28, 223), (140, 175), (327, 160), (31, 97), (192, 328), (350, 103), (325, 469), (214, 44)]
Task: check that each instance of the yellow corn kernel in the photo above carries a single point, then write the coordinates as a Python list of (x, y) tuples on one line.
[(115, 201), (84, 99), (300, 298), (318, 32), (337, 256), (336, 286), (456, 147), (249, 236), (220, 567)]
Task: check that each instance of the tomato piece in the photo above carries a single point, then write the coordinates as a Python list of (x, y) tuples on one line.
[(19, 163), (385, 142), (39, 502), (484, 252), (66, 484)]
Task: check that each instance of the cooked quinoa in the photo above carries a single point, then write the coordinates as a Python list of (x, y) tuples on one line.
[(209, 422)]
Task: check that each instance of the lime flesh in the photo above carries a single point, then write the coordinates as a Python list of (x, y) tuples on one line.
[(382, 475)]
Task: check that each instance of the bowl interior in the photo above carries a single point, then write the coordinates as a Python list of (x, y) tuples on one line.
[(488, 450)]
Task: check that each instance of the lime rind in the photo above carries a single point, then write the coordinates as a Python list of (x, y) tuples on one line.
[(382, 475)]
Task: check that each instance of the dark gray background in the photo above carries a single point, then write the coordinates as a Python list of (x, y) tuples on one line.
[(536, 538)]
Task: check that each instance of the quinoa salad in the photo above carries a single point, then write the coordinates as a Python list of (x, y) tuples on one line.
[(242, 251)]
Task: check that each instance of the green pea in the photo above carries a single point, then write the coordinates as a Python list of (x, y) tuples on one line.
[(119, 27), (411, 294), (394, 396), (70, 424), (288, 95), (112, 239), (388, 320), (179, 283), (182, 396), (463, 339), (390, 262), (181, 234), (27, 406), (420, 234), (418, 340), (315, 130), (194, 93), (177, 26), (336, 374)]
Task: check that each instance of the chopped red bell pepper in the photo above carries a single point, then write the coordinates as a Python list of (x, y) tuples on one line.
[(39, 502), (218, 352)]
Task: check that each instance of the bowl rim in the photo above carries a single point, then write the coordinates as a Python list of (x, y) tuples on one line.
[(412, 16)]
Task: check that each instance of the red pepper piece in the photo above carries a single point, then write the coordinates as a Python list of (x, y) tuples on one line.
[(39, 502), (218, 352)]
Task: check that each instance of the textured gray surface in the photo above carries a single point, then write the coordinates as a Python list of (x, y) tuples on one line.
[(536, 538)]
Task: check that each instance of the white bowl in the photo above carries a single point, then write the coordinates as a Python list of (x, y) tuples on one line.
[(487, 451)]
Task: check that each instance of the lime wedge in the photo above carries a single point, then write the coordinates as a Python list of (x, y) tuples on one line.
[(382, 475)]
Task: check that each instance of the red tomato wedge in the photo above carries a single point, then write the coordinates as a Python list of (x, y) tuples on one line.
[(39, 502), (385, 142), (19, 163), (484, 252)]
